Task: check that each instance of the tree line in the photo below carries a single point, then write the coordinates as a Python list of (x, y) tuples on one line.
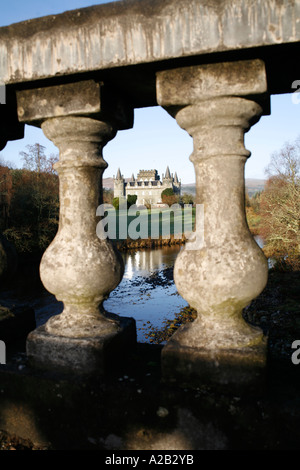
[(29, 204), (274, 213)]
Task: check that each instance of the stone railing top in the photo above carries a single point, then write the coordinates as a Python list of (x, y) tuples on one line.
[(135, 32)]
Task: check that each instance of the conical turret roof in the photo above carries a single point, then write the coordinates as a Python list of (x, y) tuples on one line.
[(119, 176), (168, 174)]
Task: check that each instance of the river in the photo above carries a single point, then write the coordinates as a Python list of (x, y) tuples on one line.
[(147, 291)]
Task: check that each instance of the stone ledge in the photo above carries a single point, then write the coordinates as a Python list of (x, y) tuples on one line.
[(136, 32), (242, 370), (133, 410), (85, 356)]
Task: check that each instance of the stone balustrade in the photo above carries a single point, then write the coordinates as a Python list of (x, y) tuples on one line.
[(212, 66), (78, 268), (216, 104)]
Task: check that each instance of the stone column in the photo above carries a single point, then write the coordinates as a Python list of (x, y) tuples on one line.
[(79, 268), (220, 274)]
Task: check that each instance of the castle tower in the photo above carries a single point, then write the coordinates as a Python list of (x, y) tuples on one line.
[(168, 174), (167, 179), (119, 185), (176, 184)]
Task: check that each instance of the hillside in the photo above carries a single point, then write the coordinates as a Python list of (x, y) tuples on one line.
[(108, 183), (252, 186)]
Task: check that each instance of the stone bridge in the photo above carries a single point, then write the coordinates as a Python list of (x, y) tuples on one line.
[(79, 76)]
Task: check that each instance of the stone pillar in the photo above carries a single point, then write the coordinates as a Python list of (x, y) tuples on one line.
[(79, 268), (220, 274)]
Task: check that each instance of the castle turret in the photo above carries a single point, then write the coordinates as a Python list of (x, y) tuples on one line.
[(176, 184), (167, 179), (119, 185), (168, 174)]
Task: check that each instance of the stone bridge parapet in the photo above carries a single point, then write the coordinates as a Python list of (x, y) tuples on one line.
[(213, 66)]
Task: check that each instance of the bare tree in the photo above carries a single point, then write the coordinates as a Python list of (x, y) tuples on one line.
[(35, 158), (280, 206)]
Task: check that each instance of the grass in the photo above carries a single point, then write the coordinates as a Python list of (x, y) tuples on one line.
[(148, 223)]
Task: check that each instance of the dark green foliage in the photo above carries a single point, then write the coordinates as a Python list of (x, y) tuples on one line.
[(131, 200)]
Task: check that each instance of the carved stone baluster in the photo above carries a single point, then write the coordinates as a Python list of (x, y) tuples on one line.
[(78, 268), (220, 275)]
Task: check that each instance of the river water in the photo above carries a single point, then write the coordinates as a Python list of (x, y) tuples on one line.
[(146, 293)]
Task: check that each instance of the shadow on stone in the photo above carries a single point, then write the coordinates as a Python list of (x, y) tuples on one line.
[(81, 355)]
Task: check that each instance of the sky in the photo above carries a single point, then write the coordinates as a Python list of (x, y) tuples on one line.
[(155, 141)]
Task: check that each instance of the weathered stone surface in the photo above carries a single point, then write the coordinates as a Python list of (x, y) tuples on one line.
[(219, 273), (79, 98), (93, 355), (235, 368), (134, 410), (135, 32), (196, 83), (78, 268)]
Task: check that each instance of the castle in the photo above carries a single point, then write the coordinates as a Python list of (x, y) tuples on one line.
[(147, 186)]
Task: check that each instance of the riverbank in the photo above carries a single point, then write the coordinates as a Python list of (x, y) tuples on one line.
[(276, 311), (140, 243)]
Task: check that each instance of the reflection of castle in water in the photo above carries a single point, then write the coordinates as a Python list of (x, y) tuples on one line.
[(148, 261)]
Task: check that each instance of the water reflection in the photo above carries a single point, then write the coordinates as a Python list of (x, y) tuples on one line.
[(148, 261), (147, 291)]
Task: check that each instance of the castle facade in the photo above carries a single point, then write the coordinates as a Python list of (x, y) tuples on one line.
[(147, 186)]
